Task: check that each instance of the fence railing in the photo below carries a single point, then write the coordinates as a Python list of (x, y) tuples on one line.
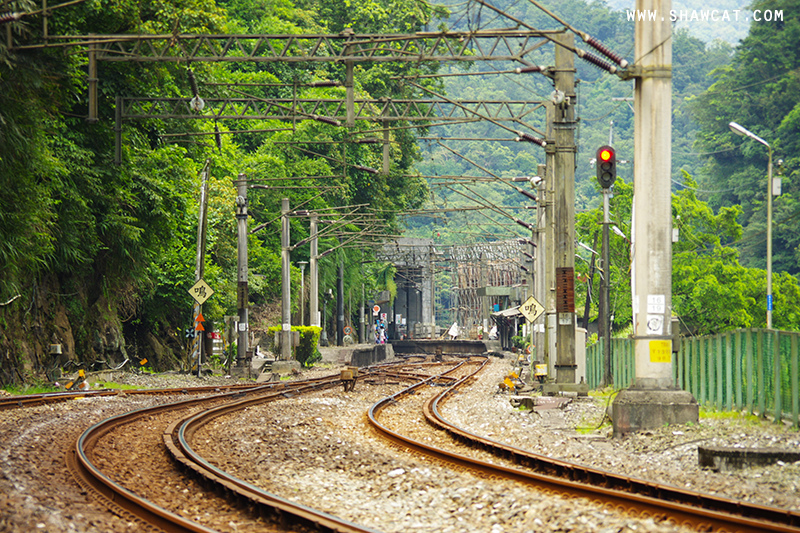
[(748, 369)]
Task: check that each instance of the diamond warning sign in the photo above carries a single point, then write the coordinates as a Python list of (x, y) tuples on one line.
[(201, 292), (531, 309)]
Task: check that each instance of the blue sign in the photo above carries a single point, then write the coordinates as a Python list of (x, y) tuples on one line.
[(769, 302)]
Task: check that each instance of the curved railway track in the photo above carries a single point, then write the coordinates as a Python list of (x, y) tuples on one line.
[(700, 511), (32, 400), (177, 437), (83, 464), (635, 496)]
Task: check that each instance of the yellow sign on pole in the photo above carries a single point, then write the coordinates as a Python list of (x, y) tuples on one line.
[(201, 292), (531, 309), (660, 351)]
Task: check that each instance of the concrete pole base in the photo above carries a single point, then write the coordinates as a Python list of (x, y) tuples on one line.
[(640, 409)]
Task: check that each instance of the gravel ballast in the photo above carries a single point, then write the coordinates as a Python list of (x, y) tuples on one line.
[(321, 449)]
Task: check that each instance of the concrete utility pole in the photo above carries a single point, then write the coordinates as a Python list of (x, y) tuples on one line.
[(564, 204), (313, 309), (540, 291), (200, 258), (362, 331), (242, 290), (653, 400), (340, 304), (286, 286), (548, 245), (302, 292)]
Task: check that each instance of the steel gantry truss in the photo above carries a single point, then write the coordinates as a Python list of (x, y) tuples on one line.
[(346, 47), (417, 110), (482, 45)]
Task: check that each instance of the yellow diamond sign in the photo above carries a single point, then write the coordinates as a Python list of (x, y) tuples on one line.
[(531, 309), (201, 292)]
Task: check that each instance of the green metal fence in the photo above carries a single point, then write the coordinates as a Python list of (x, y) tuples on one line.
[(748, 369)]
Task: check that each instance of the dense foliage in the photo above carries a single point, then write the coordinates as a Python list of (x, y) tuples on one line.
[(755, 84), (761, 91), (99, 256)]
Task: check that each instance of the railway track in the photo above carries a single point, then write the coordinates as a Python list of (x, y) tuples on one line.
[(697, 510), (634, 496), (33, 400), (83, 461)]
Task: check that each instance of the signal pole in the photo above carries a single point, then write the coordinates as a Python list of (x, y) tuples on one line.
[(653, 400)]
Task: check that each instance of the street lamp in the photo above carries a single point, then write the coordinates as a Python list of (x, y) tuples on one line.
[(302, 291), (739, 130)]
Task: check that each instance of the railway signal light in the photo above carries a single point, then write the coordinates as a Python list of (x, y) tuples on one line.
[(606, 166)]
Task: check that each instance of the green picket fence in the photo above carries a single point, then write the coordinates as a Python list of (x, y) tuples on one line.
[(748, 369)]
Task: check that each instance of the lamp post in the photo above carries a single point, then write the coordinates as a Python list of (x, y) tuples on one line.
[(302, 292), (739, 130)]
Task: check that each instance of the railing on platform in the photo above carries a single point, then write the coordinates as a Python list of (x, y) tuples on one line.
[(748, 369)]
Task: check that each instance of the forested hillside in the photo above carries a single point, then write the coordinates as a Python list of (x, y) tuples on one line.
[(99, 256), (97, 248), (718, 209)]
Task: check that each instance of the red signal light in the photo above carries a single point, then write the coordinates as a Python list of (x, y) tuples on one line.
[(606, 166)]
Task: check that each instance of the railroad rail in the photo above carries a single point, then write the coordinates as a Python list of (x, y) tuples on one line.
[(700, 511), (124, 502), (33, 400), (177, 438)]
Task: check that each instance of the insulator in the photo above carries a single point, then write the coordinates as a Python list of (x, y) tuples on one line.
[(326, 120), (529, 195), (596, 61), (527, 137), (523, 223), (603, 49), (366, 169), (192, 82), (531, 68), (9, 17)]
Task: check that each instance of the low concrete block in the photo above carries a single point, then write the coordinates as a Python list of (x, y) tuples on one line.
[(371, 355), (723, 459), (383, 352), (362, 357), (284, 367), (551, 389), (636, 409)]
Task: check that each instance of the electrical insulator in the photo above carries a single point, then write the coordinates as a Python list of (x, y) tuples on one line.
[(10, 17), (326, 120), (527, 137), (530, 68), (596, 61), (603, 49)]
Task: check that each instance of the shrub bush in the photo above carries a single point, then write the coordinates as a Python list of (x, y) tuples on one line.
[(306, 353)]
